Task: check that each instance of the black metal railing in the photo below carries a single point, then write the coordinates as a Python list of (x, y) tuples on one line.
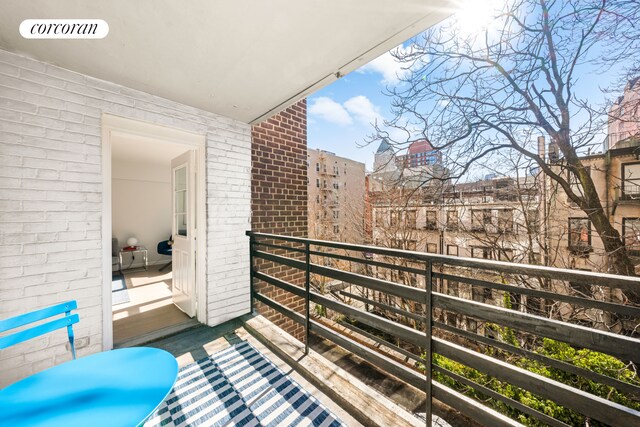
[(429, 315)]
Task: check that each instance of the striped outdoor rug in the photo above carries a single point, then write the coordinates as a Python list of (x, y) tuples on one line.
[(239, 386)]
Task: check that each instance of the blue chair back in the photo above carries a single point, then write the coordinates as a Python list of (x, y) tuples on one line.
[(24, 319), (164, 248)]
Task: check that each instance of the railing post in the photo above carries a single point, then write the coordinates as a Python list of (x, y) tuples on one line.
[(252, 240), (307, 285), (306, 297), (428, 352)]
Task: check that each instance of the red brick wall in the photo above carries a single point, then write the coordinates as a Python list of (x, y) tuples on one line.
[(279, 199)]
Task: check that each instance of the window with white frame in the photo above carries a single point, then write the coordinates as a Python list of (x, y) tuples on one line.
[(579, 235), (631, 180)]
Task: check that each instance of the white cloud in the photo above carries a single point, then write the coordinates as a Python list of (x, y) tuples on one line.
[(389, 67), (329, 110), (362, 109)]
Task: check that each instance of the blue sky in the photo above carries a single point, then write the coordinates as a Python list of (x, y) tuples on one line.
[(340, 115)]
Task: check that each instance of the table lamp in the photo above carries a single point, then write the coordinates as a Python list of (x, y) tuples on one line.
[(132, 242)]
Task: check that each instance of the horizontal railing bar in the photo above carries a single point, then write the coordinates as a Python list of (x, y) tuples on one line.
[(590, 405), (395, 329), (402, 291), (620, 385), (627, 310), (286, 248), (450, 397), (620, 346), (466, 405), (504, 399), (380, 341), (603, 279), (280, 283), (391, 366), (370, 262), (558, 364), (384, 306), (591, 303), (298, 318)]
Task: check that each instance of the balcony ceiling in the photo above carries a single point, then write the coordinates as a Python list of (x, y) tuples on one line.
[(241, 59)]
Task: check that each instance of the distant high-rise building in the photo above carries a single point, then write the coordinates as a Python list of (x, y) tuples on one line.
[(419, 164), (420, 153)]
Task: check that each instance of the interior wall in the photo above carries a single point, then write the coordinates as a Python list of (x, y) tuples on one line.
[(141, 206)]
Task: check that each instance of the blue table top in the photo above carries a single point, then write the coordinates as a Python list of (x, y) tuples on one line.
[(114, 388)]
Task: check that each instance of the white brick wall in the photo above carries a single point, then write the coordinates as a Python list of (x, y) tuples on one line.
[(51, 200)]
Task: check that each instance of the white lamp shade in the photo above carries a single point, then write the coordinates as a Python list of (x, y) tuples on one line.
[(132, 241)]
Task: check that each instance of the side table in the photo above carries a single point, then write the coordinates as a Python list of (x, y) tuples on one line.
[(139, 249)]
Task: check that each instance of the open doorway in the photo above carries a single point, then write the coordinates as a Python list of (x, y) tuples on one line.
[(154, 209)]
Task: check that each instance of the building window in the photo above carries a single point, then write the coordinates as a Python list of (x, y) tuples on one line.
[(317, 167), (486, 216), (532, 221), (410, 219), (452, 220), (431, 223), (317, 198), (631, 233), (318, 183), (579, 235), (505, 220), (476, 220), (336, 229), (324, 183), (380, 218), (394, 218), (432, 248), (481, 252), (631, 180), (336, 214), (452, 250)]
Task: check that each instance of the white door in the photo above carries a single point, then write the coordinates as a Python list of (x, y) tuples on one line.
[(183, 184)]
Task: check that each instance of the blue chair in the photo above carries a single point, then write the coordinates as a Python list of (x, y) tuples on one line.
[(164, 248), (24, 319)]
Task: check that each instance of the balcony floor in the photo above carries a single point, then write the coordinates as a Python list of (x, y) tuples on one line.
[(201, 342)]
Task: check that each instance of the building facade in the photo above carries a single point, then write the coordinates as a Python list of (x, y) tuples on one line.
[(624, 115), (336, 191)]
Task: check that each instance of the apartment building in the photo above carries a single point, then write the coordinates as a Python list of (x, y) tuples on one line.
[(573, 240), (336, 191)]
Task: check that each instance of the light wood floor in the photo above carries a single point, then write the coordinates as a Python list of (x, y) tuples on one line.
[(150, 307)]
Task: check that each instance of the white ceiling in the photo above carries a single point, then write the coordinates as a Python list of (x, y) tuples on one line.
[(139, 150), (244, 59)]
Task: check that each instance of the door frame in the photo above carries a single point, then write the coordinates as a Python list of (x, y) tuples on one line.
[(113, 126)]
